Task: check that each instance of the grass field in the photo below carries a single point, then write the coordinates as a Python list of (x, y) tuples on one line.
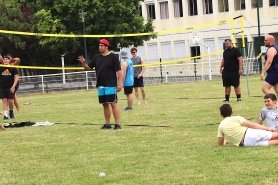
[(171, 140)]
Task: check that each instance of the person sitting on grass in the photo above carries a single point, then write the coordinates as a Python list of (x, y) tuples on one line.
[(242, 132), (269, 114)]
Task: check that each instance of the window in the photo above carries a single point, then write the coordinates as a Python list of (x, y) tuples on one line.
[(180, 49), (195, 51), (207, 7), (166, 51), (211, 44), (240, 5), (223, 5), (192, 4), (178, 12), (164, 11), (273, 2), (153, 53), (150, 11), (254, 3)]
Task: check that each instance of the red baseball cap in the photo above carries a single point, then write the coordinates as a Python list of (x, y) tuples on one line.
[(104, 41)]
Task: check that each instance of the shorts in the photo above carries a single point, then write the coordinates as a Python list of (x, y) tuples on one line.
[(230, 79), (271, 78), (138, 82), (107, 94), (128, 89), (257, 137), (6, 93)]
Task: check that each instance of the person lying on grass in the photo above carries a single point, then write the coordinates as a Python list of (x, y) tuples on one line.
[(242, 132)]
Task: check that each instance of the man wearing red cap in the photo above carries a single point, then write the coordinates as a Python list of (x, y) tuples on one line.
[(107, 64)]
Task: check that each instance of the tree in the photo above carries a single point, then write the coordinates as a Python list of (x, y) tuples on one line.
[(17, 16), (103, 17)]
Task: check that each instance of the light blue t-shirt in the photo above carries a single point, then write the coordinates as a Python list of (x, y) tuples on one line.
[(129, 79)]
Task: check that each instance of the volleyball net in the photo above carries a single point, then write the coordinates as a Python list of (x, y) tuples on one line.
[(180, 55)]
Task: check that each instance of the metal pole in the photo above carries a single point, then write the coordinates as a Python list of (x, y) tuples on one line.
[(63, 69), (85, 45), (83, 14), (259, 34), (161, 77)]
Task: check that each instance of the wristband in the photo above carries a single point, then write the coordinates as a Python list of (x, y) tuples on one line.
[(120, 84)]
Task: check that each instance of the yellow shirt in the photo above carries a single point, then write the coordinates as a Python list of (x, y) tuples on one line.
[(232, 128)]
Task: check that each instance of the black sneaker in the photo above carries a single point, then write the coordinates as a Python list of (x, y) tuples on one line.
[(11, 114), (5, 118), (239, 100), (106, 126), (117, 126), (225, 100), (128, 108)]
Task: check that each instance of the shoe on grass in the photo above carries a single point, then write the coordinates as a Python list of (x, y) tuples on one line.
[(117, 126), (106, 126)]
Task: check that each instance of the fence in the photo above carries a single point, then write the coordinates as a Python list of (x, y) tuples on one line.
[(85, 80)]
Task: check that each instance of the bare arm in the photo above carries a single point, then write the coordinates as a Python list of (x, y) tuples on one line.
[(257, 126), (16, 61), (12, 89), (124, 68), (260, 122), (222, 141), (240, 65), (1, 59), (83, 62), (271, 52), (143, 68), (120, 81), (221, 65)]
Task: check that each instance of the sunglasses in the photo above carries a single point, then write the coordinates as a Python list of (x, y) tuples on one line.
[(133, 52)]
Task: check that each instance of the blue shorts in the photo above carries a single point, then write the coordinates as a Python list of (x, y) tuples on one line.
[(138, 82), (107, 94), (272, 78)]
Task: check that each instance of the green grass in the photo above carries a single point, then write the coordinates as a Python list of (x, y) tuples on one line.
[(171, 140)]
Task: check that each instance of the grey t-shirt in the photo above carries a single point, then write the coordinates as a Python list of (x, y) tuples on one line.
[(270, 116), (138, 69)]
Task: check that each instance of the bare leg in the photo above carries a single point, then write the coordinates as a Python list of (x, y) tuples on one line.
[(274, 139), (237, 90), (137, 95), (276, 89), (16, 103), (143, 94), (11, 103), (107, 113), (116, 112), (266, 88), (5, 104), (228, 90), (129, 98)]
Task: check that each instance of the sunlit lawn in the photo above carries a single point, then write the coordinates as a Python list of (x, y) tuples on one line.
[(170, 140)]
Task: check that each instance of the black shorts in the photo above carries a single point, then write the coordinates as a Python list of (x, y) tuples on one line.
[(16, 86), (128, 89), (6, 93), (230, 79), (138, 82)]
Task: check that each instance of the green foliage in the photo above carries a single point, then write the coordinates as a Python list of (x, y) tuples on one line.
[(103, 17), (62, 17)]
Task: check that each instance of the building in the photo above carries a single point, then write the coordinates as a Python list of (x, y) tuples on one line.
[(176, 14)]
